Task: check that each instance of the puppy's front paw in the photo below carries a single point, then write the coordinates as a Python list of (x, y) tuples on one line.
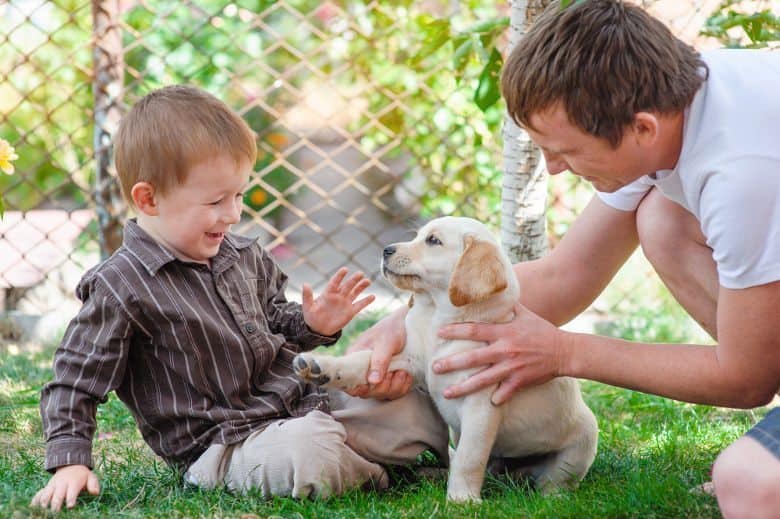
[(307, 368), (463, 497), (460, 490)]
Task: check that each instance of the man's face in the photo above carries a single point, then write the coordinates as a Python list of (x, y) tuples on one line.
[(194, 216), (567, 148)]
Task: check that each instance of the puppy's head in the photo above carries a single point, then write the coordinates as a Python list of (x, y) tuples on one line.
[(453, 257)]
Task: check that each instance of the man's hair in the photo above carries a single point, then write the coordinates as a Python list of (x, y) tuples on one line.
[(172, 129), (604, 61)]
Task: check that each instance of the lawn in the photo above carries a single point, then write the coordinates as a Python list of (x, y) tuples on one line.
[(652, 451)]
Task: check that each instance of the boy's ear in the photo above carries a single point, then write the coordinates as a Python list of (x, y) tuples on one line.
[(143, 197)]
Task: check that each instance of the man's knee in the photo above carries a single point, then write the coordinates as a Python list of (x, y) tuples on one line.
[(664, 229), (745, 478)]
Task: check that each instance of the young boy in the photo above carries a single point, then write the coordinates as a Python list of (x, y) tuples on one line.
[(190, 326)]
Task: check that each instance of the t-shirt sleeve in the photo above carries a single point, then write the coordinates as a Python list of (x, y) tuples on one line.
[(741, 221), (626, 198)]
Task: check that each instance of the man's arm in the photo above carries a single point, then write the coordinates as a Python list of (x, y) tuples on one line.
[(743, 370), (566, 281)]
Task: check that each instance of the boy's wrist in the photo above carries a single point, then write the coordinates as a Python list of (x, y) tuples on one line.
[(68, 451)]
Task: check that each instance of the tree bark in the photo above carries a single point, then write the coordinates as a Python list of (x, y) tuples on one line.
[(107, 87), (524, 189)]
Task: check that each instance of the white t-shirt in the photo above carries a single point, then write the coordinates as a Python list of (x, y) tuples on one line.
[(728, 173)]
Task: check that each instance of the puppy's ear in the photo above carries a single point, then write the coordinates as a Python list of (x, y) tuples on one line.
[(479, 273)]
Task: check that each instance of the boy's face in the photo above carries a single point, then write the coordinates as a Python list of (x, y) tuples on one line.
[(567, 148), (192, 219)]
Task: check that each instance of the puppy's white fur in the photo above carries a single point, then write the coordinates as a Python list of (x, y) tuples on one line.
[(458, 273)]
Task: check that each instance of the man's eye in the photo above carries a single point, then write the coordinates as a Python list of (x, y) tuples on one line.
[(432, 240)]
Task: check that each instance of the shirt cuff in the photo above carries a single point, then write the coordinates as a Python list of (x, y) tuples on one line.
[(68, 451), (308, 339)]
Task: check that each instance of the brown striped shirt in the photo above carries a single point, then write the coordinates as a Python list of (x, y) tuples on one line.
[(200, 355)]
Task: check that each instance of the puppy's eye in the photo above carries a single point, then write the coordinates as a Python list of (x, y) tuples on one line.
[(432, 240)]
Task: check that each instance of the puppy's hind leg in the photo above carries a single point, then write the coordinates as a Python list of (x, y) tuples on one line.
[(566, 468)]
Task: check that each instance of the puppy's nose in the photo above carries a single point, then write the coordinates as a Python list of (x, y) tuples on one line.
[(389, 251)]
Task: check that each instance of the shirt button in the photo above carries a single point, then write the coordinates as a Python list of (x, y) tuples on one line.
[(250, 328)]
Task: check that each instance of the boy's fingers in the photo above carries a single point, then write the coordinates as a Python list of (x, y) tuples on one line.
[(57, 498), (307, 295), (350, 284), (335, 281), (93, 485), (72, 492), (360, 305), (42, 497), (357, 289)]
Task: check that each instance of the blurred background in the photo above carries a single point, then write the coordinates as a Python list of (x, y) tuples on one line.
[(372, 117)]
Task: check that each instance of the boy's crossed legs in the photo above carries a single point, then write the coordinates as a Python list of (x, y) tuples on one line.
[(322, 455)]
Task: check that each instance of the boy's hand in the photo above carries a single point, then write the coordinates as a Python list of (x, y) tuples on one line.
[(65, 485), (334, 308)]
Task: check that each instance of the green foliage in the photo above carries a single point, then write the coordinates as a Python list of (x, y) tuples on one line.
[(760, 27), (46, 99), (434, 83)]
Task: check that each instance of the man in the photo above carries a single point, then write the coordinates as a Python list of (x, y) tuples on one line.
[(684, 154)]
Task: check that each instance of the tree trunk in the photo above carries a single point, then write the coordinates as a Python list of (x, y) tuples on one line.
[(524, 190), (107, 89)]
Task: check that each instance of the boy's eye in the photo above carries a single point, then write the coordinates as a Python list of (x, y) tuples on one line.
[(432, 240), (216, 203)]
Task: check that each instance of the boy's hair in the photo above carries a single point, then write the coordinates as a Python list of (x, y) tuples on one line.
[(172, 129), (604, 61)]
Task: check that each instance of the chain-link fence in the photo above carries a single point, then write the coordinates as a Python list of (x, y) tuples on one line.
[(365, 119)]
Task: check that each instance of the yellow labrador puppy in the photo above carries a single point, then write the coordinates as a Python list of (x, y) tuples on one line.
[(457, 272)]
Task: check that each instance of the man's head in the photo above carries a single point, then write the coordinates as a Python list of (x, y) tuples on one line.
[(183, 159), (602, 61)]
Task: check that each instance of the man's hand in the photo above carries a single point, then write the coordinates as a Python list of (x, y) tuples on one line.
[(65, 485), (386, 338), (524, 352), (335, 307)]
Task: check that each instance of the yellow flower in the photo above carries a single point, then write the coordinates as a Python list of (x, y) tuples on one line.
[(6, 156)]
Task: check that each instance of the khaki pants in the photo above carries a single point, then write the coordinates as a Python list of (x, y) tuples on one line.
[(322, 455)]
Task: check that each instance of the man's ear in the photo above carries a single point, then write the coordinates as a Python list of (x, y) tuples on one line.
[(143, 196), (479, 273), (645, 126)]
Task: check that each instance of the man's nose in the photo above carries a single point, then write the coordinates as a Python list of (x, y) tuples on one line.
[(389, 251), (555, 164)]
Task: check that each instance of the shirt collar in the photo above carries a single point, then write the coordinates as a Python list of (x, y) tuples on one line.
[(153, 256)]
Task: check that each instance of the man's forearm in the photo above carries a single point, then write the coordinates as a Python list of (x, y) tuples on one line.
[(686, 372)]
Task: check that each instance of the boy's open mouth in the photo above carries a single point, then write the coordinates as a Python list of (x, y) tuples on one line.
[(215, 235)]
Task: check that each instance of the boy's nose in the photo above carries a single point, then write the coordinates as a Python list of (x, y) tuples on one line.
[(233, 214)]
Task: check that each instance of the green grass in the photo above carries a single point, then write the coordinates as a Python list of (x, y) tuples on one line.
[(651, 452)]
